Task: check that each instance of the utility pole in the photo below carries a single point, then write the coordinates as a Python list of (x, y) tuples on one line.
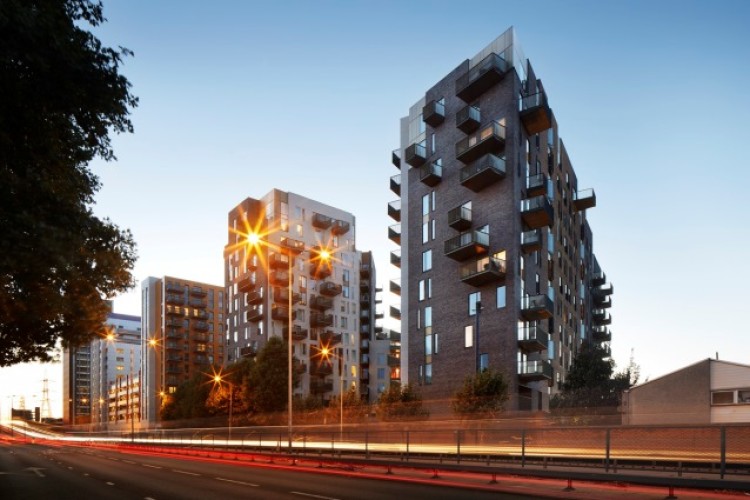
[(476, 335)]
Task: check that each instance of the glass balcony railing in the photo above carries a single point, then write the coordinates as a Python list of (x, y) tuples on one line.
[(482, 173), (480, 78), (584, 199), (531, 241), (533, 338), (483, 271), (433, 113), (431, 174), (459, 218), (394, 210), (535, 370), (467, 244), (489, 139), (415, 155), (468, 119)]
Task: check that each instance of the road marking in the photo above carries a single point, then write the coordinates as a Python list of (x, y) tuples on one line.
[(86, 474), (148, 498), (311, 495), (110, 484), (184, 472), (236, 482), (152, 466), (128, 462), (36, 470)]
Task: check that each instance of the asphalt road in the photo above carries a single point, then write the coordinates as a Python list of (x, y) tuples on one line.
[(36, 471)]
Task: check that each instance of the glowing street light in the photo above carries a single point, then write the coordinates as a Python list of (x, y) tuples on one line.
[(218, 380), (326, 353)]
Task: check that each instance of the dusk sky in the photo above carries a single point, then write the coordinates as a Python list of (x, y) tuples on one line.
[(238, 98)]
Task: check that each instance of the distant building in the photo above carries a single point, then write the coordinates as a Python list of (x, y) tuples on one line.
[(183, 335), (114, 359), (123, 401), (496, 252), (384, 361), (332, 299), (76, 366), (708, 392)]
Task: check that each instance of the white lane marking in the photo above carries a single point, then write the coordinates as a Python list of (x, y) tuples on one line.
[(148, 498), (185, 472), (110, 484), (236, 482), (152, 466), (128, 462), (70, 468), (311, 495), (86, 474), (36, 470)]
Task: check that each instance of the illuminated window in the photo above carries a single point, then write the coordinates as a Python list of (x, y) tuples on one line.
[(469, 336)]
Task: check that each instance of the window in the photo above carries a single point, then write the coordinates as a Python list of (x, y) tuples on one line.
[(722, 398), (426, 204), (425, 232), (436, 347), (500, 297), (422, 290), (474, 298), (428, 320), (484, 362), (426, 260), (381, 373), (428, 374), (743, 396), (469, 336)]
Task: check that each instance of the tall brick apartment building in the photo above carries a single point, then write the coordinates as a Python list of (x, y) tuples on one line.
[(497, 267)]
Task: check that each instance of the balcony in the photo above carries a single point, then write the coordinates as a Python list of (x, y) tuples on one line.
[(329, 338), (459, 218), (585, 199), (394, 233), (396, 184), (173, 368), (364, 285), (176, 323), (174, 299), (248, 352), (281, 313), (200, 315), (468, 119), (290, 246), (394, 210), (601, 317), (174, 357), (467, 244), (174, 334), (320, 320), (598, 278), (364, 270), (396, 159), (431, 174), (278, 261), (254, 315), (278, 277), (536, 114), (536, 307), (534, 371), (254, 298), (319, 386), (601, 334), (483, 271), (281, 296), (174, 311), (200, 326), (199, 303), (536, 185), (602, 302), (320, 269), (396, 258), (329, 289), (488, 139), (482, 77), (483, 173), (433, 113), (320, 303), (537, 212), (533, 339), (201, 338), (321, 221), (395, 287), (603, 290), (416, 155), (246, 284), (174, 346), (365, 360), (175, 288), (395, 312), (364, 317), (339, 227), (394, 361), (298, 333), (198, 292), (531, 241)]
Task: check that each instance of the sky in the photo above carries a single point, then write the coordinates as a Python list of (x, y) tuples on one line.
[(240, 97)]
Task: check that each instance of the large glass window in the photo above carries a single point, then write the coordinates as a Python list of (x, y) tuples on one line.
[(468, 335), (484, 362), (428, 320), (500, 297), (474, 298), (426, 260)]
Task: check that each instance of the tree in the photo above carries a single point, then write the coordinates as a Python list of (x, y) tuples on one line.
[(189, 400), (400, 402), (355, 408), (265, 388), (482, 394), (62, 94)]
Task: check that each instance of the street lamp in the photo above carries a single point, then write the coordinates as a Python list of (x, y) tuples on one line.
[(218, 380), (327, 353)]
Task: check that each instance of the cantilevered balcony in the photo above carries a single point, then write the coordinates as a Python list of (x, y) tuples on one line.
[(319, 386), (278, 261), (531, 241), (281, 313), (364, 270), (329, 338), (416, 155), (281, 295), (364, 316), (536, 185), (584, 199), (603, 290), (431, 174), (175, 288), (602, 302), (298, 333), (394, 233), (537, 212), (536, 307), (340, 227), (533, 338), (200, 326), (484, 172), (394, 361), (278, 277), (535, 113), (601, 334), (459, 218), (601, 317), (198, 292), (201, 338), (174, 299), (489, 139), (395, 287), (321, 303), (246, 284), (176, 323), (483, 271), (598, 278), (396, 184), (320, 269), (482, 77), (467, 244), (254, 298), (396, 258), (290, 246), (199, 303), (329, 289), (319, 319), (534, 371), (321, 369), (321, 221), (394, 210), (364, 285), (468, 119), (396, 158), (254, 315), (395, 312), (433, 113)]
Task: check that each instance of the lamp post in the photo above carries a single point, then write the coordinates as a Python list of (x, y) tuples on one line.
[(327, 353), (476, 334), (218, 379)]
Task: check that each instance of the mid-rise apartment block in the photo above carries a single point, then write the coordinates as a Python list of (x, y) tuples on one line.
[(183, 335), (292, 271), (496, 253)]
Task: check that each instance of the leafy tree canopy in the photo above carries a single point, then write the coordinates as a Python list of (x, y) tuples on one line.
[(265, 388), (482, 394), (62, 94), (400, 402)]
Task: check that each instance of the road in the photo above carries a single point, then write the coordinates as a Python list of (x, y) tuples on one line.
[(30, 470)]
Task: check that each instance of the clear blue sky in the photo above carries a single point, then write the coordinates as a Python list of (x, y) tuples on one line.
[(240, 97)]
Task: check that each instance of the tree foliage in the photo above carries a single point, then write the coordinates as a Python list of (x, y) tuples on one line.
[(400, 402), (189, 400), (355, 408), (265, 387), (482, 395), (62, 95)]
